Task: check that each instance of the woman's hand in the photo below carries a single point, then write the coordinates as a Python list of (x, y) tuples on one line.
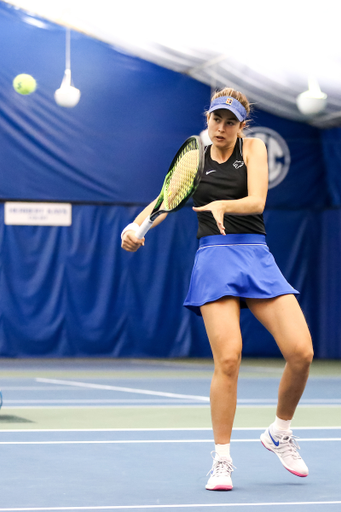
[(130, 242), (217, 208)]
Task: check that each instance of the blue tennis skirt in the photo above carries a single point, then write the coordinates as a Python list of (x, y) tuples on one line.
[(238, 265)]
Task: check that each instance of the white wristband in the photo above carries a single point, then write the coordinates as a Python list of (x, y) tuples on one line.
[(133, 226)]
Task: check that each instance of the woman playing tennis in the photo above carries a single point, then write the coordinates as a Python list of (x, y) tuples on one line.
[(233, 269)]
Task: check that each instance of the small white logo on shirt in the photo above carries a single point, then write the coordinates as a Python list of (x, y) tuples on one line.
[(208, 172), (238, 164)]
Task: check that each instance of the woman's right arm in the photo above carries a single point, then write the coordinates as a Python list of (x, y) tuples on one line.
[(130, 242)]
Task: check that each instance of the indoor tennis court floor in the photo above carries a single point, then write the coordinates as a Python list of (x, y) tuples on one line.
[(135, 435)]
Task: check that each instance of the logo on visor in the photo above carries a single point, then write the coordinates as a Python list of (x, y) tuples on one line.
[(278, 153), (229, 101)]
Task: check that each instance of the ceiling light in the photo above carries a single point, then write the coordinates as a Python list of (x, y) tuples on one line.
[(67, 95), (313, 101)]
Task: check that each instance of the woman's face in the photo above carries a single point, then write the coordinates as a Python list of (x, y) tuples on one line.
[(223, 128)]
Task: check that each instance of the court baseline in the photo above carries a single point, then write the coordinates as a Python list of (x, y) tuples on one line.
[(190, 505)]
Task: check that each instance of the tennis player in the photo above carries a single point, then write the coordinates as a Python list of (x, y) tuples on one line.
[(234, 269)]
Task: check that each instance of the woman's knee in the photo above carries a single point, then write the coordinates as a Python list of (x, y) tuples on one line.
[(302, 357), (228, 364)]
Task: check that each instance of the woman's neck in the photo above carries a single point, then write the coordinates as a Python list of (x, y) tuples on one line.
[(221, 155)]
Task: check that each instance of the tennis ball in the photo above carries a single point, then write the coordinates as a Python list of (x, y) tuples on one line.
[(24, 84)]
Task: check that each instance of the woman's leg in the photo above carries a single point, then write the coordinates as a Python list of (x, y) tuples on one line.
[(222, 322), (283, 318), (223, 329)]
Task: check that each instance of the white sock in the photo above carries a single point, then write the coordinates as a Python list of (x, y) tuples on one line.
[(223, 450), (281, 424)]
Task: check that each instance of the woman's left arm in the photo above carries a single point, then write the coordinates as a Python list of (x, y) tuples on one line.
[(256, 160)]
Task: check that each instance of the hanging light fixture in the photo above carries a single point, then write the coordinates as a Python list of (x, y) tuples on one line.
[(313, 101), (67, 95)]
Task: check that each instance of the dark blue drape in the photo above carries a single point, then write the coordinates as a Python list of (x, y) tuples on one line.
[(331, 144), (75, 292), (72, 291)]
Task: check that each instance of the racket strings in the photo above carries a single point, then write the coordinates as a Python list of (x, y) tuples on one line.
[(181, 179)]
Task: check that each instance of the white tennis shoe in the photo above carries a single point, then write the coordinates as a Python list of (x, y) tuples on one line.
[(285, 446), (220, 474)]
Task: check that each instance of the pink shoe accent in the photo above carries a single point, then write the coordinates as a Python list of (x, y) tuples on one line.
[(266, 447), (221, 488), (294, 473)]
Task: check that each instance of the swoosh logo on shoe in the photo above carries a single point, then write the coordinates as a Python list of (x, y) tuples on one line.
[(276, 443)]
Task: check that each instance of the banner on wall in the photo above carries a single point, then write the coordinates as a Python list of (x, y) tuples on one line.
[(37, 214)]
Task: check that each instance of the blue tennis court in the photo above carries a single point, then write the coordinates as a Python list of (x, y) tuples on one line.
[(132, 435)]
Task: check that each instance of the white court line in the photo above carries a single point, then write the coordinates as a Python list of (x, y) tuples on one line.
[(119, 388), (96, 401), (124, 441), (158, 441), (177, 429), (191, 505), (256, 402), (32, 388), (303, 401), (302, 405), (183, 405)]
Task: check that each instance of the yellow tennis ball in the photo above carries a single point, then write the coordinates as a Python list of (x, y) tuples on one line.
[(24, 84)]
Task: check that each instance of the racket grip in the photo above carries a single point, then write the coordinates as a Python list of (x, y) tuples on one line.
[(145, 226)]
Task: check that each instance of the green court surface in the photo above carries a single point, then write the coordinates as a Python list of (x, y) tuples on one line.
[(162, 417), (146, 374)]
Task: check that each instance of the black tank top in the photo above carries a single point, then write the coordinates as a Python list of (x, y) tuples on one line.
[(221, 182)]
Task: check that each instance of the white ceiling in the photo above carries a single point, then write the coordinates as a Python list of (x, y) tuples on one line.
[(266, 48)]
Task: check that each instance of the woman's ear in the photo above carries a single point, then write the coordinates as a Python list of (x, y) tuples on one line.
[(241, 128)]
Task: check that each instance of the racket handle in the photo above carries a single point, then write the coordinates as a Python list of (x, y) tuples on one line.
[(145, 226)]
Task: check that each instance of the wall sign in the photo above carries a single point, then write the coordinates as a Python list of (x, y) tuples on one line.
[(38, 214)]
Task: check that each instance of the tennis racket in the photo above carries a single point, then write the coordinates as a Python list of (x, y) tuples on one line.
[(181, 181)]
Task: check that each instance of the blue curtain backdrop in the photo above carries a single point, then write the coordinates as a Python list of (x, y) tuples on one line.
[(72, 291)]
